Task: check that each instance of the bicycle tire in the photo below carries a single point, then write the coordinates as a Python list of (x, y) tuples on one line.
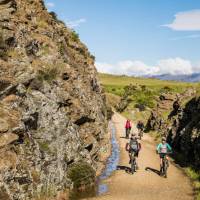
[(132, 163), (166, 166)]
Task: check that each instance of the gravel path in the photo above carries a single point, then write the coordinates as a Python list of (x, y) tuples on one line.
[(145, 184)]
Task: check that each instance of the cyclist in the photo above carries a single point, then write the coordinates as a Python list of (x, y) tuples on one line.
[(163, 148), (133, 146), (128, 127), (140, 127)]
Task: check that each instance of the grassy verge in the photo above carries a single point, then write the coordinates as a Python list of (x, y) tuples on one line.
[(195, 177)]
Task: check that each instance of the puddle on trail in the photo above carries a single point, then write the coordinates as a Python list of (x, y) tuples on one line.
[(112, 162)]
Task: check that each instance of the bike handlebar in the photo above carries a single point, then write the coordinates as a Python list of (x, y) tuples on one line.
[(165, 153)]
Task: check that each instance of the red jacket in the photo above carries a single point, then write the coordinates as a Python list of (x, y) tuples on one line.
[(128, 124)]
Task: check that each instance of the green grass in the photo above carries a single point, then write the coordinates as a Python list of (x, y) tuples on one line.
[(114, 89), (119, 82), (141, 91), (195, 176), (115, 84)]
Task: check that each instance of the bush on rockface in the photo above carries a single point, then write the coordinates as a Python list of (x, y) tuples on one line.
[(49, 74), (75, 36), (81, 174)]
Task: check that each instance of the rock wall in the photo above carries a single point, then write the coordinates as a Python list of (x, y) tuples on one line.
[(52, 109), (182, 128), (184, 133)]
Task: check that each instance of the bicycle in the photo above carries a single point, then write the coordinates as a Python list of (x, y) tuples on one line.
[(133, 162), (165, 165), (140, 133), (128, 130)]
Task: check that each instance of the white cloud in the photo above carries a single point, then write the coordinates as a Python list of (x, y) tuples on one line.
[(75, 23), (175, 66), (186, 21), (172, 66), (50, 4)]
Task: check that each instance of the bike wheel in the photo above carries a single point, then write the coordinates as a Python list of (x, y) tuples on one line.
[(162, 170), (132, 163), (165, 169), (132, 166), (126, 133)]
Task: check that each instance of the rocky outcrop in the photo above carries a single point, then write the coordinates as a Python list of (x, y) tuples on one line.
[(182, 127), (52, 109), (184, 133)]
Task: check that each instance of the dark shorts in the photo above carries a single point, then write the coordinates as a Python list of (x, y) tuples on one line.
[(136, 152), (162, 155)]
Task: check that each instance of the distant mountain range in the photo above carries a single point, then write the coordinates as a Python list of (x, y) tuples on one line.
[(186, 78)]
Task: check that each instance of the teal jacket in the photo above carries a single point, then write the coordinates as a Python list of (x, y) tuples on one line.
[(164, 148)]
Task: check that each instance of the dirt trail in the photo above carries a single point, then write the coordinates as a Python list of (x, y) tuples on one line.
[(145, 184)]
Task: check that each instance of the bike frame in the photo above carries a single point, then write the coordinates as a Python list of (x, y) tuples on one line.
[(140, 134), (164, 166)]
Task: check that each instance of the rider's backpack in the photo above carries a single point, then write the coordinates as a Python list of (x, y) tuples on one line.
[(133, 145)]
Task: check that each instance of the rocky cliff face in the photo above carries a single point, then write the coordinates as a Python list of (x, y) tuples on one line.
[(182, 128), (184, 133), (52, 110)]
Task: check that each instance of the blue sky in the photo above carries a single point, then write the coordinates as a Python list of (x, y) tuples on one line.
[(136, 37)]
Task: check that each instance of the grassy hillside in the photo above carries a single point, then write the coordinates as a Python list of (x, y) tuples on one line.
[(144, 91), (114, 84)]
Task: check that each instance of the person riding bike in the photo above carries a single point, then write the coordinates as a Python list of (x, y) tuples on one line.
[(133, 146), (163, 149), (128, 128), (140, 125)]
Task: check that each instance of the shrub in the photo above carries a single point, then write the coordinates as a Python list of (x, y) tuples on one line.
[(44, 146), (54, 15), (143, 87), (48, 74), (166, 89), (93, 57), (75, 36), (81, 174)]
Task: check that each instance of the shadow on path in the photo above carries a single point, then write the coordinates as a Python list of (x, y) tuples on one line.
[(125, 168), (124, 137), (153, 170)]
